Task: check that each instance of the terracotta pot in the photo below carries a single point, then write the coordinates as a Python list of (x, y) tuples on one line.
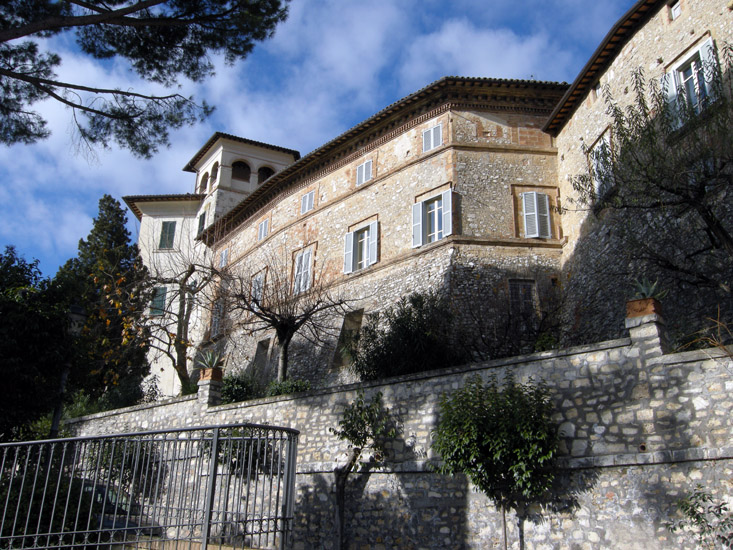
[(214, 374), (643, 306)]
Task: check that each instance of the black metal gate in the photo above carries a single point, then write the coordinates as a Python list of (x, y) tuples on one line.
[(202, 488)]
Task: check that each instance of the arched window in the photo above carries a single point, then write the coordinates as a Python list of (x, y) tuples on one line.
[(204, 182), (241, 171), (214, 173), (264, 173)]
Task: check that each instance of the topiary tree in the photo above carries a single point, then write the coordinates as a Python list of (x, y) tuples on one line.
[(502, 439), (365, 425)]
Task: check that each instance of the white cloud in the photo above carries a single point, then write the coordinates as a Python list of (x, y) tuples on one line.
[(460, 48), (332, 64)]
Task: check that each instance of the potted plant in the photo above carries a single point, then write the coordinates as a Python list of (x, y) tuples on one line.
[(210, 363), (646, 299)]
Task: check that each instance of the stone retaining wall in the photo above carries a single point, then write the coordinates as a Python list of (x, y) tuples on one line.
[(639, 430)]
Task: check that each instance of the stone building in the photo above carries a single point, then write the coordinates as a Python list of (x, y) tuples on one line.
[(456, 187), (672, 42)]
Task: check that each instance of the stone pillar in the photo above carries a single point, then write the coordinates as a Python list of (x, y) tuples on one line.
[(648, 333), (209, 393)]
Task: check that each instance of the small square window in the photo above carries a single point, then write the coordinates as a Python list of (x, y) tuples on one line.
[(262, 230), (432, 138), (167, 235), (364, 172), (306, 203)]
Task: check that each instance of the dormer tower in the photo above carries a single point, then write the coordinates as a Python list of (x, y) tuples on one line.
[(229, 168)]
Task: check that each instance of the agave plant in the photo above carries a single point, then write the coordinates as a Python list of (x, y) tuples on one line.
[(210, 360), (647, 289)]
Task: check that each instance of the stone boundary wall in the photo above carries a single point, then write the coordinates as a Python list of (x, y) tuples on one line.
[(639, 429)]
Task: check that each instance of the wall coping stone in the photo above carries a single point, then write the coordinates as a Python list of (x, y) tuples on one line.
[(692, 356), (693, 454), (124, 410)]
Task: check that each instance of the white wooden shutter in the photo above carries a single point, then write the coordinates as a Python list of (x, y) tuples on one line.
[(364, 172), (373, 242), (437, 136), (529, 203), (670, 89), (417, 210), (427, 139), (709, 65), (349, 252), (298, 273), (543, 215), (305, 282), (447, 198)]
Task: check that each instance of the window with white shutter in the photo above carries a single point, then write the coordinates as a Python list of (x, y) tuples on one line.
[(601, 160), (536, 210), (302, 277), (432, 219), (262, 229), (258, 289), (224, 258), (364, 172), (688, 84), (306, 202), (432, 138), (361, 248)]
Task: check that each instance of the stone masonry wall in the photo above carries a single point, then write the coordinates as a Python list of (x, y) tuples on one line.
[(639, 429)]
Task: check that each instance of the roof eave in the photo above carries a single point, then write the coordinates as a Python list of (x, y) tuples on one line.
[(601, 58)]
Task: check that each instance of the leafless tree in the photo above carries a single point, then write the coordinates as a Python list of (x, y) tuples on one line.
[(181, 284), (282, 293)]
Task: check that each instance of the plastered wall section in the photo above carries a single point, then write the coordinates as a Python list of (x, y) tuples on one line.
[(638, 430), (170, 263), (656, 47)]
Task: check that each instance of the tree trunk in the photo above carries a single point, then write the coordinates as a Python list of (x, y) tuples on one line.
[(282, 359), (725, 241), (342, 474)]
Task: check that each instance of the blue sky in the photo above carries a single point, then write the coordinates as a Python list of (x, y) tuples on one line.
[(332, 64)]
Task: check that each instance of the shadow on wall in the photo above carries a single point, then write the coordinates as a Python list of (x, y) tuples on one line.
[(502, 313)]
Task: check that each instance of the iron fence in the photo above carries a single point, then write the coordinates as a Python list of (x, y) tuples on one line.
[(214, 487)]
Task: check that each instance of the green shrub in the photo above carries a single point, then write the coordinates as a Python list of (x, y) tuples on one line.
[(287, 386), (410, 337), (240, 386)]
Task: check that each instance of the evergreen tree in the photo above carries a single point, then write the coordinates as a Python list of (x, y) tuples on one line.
[(33, 347), (107, 280), (162, 40)]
